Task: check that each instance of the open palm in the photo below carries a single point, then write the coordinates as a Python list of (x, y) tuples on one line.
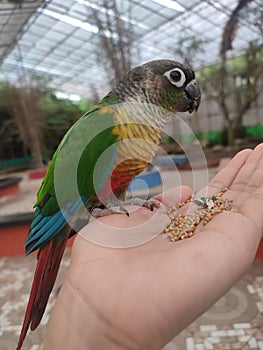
[(141, 297)]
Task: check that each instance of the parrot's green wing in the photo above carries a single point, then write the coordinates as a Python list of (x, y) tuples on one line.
[(79, 169)]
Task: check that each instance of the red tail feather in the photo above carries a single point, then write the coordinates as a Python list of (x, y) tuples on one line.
[(49, 259)]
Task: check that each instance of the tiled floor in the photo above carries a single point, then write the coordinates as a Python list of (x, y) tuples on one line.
[(16, 275), (234, 322)]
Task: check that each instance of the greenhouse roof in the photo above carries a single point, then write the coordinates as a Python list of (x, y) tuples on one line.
[(59, 39)]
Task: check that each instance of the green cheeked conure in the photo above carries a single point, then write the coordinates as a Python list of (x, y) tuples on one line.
[(96, 160)]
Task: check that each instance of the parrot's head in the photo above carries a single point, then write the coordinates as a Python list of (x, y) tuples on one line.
[(166, 83)]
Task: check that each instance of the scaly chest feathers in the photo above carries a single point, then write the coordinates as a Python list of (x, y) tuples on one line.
[(138, 129)]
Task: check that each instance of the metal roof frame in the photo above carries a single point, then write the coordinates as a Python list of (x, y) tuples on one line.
[(59, 41)]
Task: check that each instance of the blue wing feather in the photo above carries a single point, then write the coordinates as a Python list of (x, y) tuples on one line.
[(48, 227)]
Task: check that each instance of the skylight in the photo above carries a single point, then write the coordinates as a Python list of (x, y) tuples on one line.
[(72, 21), (62, 41), (170, 4)]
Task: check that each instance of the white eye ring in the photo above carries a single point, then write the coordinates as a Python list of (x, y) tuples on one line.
[(176, 76)]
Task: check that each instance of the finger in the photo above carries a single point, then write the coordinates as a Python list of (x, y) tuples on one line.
[(248, 179), (174, 196), (225, 177), (249, 174), (250, 183), (250, 200), (252, 208)]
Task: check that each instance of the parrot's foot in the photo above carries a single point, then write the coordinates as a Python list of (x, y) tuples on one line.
[(150, 203), (113, 209), (99, 212)]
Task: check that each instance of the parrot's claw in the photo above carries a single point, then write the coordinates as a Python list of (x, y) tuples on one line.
[(99, 212), (150, 203), (113, 209)]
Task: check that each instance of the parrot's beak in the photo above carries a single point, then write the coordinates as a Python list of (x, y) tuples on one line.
[(191, 99)]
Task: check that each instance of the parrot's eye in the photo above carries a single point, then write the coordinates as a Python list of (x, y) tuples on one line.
[(176, 77)]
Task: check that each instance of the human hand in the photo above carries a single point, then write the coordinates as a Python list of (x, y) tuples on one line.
[(141, 297), (243, 176)]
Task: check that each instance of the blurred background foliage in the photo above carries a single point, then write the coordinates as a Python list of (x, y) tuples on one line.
[(33, 121)]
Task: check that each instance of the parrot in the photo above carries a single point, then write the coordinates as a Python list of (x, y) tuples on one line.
[(92, 167)]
